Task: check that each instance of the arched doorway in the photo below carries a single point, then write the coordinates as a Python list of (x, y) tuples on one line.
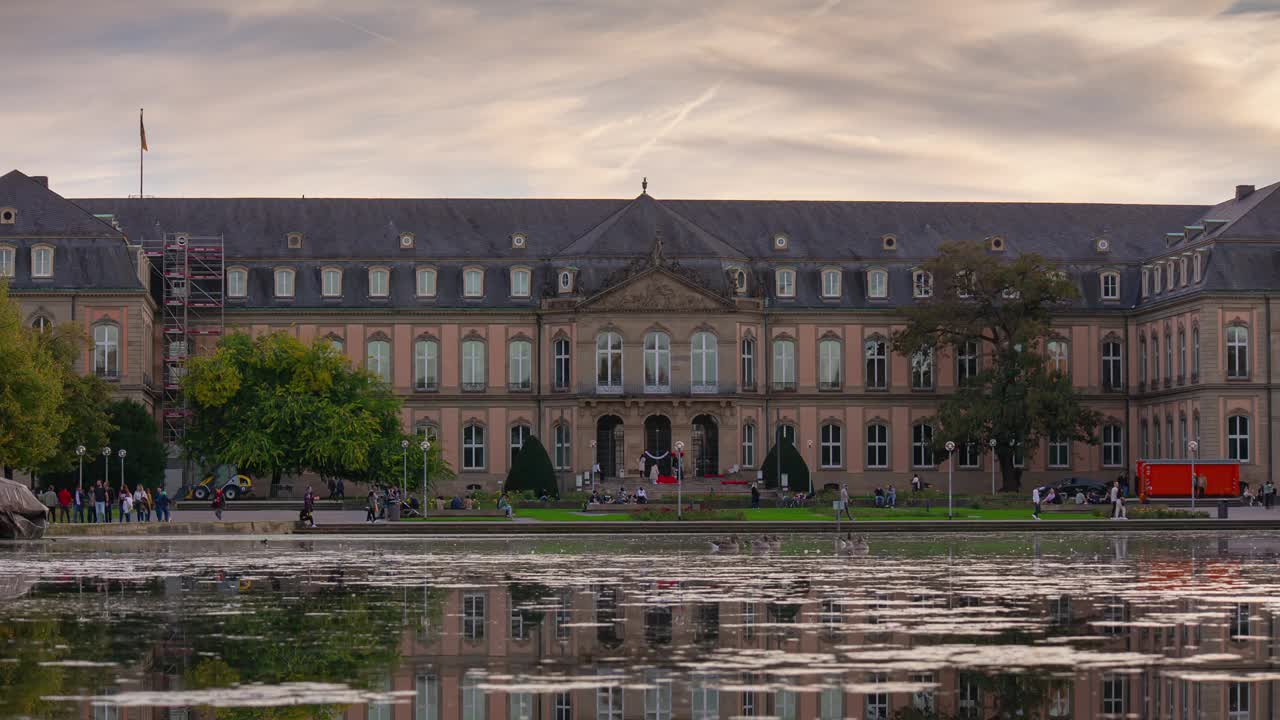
[(705, 452), (609, 439), (657, 444)]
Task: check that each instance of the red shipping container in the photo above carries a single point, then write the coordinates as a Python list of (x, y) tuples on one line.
[(1172, 478)]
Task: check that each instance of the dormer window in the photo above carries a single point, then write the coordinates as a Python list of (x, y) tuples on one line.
[(1102, 245), (889, 242), (1110, 285), (406, 240), (1195, 267), (921, 284), (294, 239), (877, 284), (780, 242), (830, 283), (1146, 281), (519, 241), (996, 243), (1182, 271), (8, 216), (42, 261), (237, 282), (565, 284), (1155, 288), (786, 283), (284, 282), (331, 282), (520, 282), (473, 282), (7, 255), (1168, 273), (739, 278), (379, 282), (425, 282)]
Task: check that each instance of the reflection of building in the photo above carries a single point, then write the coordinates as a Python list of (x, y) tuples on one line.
[(615, 327)]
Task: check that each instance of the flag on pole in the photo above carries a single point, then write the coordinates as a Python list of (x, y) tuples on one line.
[(142, 130)]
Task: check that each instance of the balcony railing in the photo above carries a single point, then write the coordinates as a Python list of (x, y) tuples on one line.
[(608, 389), (828, 385), (426, 386), (704, 388), (784, 385), (657, 389), (473, 387), (519, 386)]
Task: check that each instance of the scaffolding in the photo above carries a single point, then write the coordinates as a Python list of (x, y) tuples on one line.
[(192, 272)]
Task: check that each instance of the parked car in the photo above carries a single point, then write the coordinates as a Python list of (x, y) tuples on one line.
[(1067, 488)]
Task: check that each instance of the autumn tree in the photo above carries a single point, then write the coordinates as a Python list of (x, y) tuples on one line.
[(1001, 306), (85, 405), (273, 405), (32, 420)]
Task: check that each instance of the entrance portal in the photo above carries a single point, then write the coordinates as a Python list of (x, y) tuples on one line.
[(609, 439), (657, 444), (706, 446)]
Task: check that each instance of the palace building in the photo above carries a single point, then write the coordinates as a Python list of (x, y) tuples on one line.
[(612, 328)]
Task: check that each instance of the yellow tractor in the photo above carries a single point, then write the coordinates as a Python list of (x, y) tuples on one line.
[(225, 477)]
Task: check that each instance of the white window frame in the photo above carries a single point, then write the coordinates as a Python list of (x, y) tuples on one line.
[(1059, 456), (785, 282), (521, 282), (831, 446), (1112, 364), (831, 283), (1156, 278), (562, 367), (877, 284), (8, 261), (1113, 278), (875, 354), (1237, 351), (609, 361), (784, 362), (704, 355), (748, 445), (1059, 354), (426, 364), (1238, 440), (877, 446), (474, 372), (563, 441), (237, 282), (830, 363), (328, 289), (657, 362), (921, 284), (376, 362), (283, 283), (473, 282), (473, 447), (517, 437), (106, 350), (379, 282), (967, 358), (921, 446), (922, 375), (474, 616), (748, 353), (425, 282), (519, 364), (566, 281), (1196, 264), (1195, 352), (41, 261)]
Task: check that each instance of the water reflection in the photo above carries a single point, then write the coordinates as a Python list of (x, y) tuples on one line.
[(1055, 626)]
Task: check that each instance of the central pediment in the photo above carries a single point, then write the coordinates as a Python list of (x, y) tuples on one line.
[(655, 290)]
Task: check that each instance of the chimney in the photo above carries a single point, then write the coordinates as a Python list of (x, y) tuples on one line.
[(1243, 191), (43, 180)]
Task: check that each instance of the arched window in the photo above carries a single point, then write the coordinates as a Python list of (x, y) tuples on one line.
[(1058, 356), (877, 284), (1110, 285), (474, 377), (237, 282), (1238, 438), (877, 446), (331, 282), (106, 350), (426, 364), (1195, 353), (560, 353), (829, 363), (966, 361), (786, 282), (42, 261), (922, 369), (1142, 359), (520, 365), (922, 446), (1182, 356), (563, 454), (921, 284), (876, 353), (473, 282), (284, 282), (1059, 452), (706, 378), (832, 446), (748, 363), (426, 282), (657, 362), (379, 359), (379, 282), (784, 364), (748, 445), (519, 435), (1112, 365), (472, 447), (337, 344), (41, 324), (520, 282), (830, 283), (1237, 352), (609, 362)]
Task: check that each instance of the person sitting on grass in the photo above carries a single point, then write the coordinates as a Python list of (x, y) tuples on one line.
[(641, 497), (456, 503), (879, 497)]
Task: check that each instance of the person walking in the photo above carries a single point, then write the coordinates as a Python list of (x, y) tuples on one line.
[(891, 498), (371, 508), (307, 516), (1035, 502), (126, 505), (162, 506), (755, 496), (64, 504), (99, 511), (1117, 502), (1268, 494), (140, 501), (79, 505), (219, 502), (49, 498), (111, 499), (844, 502)]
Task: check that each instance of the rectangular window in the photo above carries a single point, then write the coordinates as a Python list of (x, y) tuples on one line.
[(1237, 352), (474, 706), (564, 706), (1238, 438), (563, 455), (473, 371), (748, 364), (877, 704), (284, 283), (1059, 453), (922, 446), (426, 284), (426, 698), (520, 365), (830, 283), (379, 282), (829, 363), (832, 455), (748, 445), (1238, 705), (473, 608), (786, 280), (657, 696), (1112, 446), (968, 455), (784, 365), (520, 283), (7, 264), (966, 361), (1110, 286), (877, 361), (561, 352), (520, 706), (1115, 691), (877, 284), (1112, 366), (473, 283), (922, 370), (426, 365), (331, 282), (42, 262)]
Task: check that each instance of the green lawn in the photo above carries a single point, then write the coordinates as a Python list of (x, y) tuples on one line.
[(794, 514)]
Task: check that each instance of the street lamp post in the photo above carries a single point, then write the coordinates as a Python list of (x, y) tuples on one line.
[(680, 481), (80, 454), (106, 466), (404, 476), (425, 445), (951, 464), (1192, 447), (122, 453), (993, 443), (594, 458)]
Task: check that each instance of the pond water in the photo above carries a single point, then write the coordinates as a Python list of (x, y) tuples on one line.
[(1053, 625)]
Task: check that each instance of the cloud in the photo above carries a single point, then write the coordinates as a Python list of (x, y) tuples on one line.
[(1122, 100)]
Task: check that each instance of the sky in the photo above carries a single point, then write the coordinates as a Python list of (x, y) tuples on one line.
[(1157, 101)]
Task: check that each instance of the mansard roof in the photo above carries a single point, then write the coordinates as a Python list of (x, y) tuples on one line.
[(40, 212), (633, 229)]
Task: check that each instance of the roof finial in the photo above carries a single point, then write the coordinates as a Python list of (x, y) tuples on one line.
[(644, 186)]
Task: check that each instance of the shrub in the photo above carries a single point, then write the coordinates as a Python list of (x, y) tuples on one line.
[(532, 472), (1153, 513), (670, 514), (793, 465)]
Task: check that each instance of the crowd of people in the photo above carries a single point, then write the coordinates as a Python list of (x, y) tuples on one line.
[(622, 497), (103, 504)]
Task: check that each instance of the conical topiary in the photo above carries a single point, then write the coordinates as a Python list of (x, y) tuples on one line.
[(532, 470), (792, 464)]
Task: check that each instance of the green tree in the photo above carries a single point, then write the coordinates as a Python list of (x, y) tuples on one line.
[(531, 470), (1003, 307), (273, 405), (136, 431), (85, 400), (793, 464), (32, 420), (389, 460)]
